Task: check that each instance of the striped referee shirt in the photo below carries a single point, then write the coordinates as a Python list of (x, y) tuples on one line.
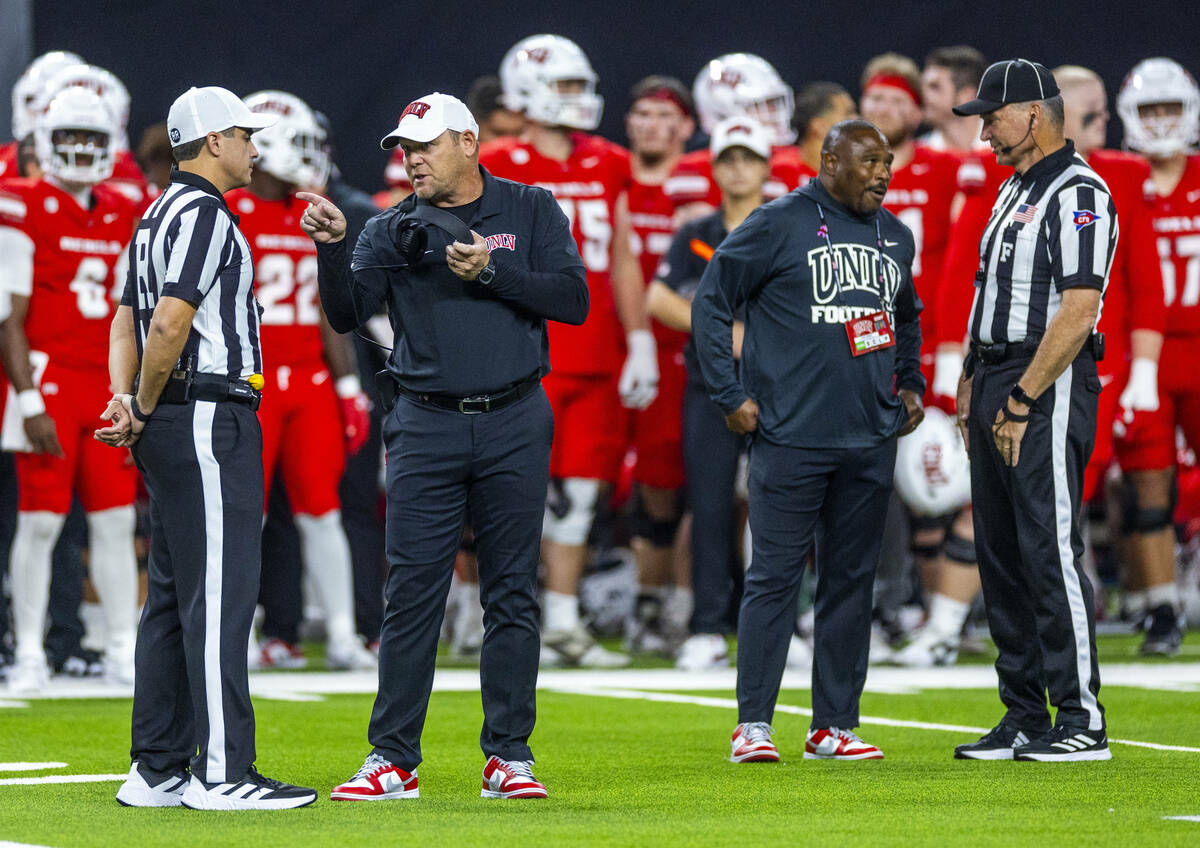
[(188, 246), (1052, 228)]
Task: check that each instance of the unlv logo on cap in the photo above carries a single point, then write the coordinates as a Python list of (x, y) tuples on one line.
[(417, 108), (739, 129)]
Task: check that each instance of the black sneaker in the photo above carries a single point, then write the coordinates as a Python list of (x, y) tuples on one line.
[(1163, 634), (1065, 745), (997, 744), (252, 792)]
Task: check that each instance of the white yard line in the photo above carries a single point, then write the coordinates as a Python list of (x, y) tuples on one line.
[(30, 766), (1182, 818), (62, 778)]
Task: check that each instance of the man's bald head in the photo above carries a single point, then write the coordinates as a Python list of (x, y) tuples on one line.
[(1085, 107), (846, 131), (856, 165)]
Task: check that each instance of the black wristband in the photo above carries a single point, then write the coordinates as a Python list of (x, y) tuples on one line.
[(137, 412), (1009, 415), (1018, 394)]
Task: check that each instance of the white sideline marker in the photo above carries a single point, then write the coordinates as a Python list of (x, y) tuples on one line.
[(61, 778), (1182, 818), (30, 766)]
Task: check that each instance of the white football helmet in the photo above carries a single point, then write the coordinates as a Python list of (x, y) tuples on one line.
[(1159, 81), (28, 89), (745, 85), (933, 475), (293, 150), (104, 83), (75, 161), (529, 79)]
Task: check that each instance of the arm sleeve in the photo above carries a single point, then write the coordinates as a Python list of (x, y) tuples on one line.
[(16, 269), (908, 336), (738, 269), (197, 253), (1082, 237), (556, 287), (351, 292)]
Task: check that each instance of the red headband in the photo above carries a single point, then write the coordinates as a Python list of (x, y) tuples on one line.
[(895, 81), (665, 93)]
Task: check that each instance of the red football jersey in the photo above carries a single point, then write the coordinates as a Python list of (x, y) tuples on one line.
[(650, 217), (692, 180), (74, 253), (8, 160), (1177, 234), (126, 178), (586, 186), (921, 195), (285, 277)]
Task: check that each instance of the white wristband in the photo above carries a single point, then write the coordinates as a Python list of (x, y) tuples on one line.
[(641, 342), (348, 386), (30, 403)]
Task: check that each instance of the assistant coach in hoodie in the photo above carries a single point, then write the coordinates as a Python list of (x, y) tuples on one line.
[(829, 377)]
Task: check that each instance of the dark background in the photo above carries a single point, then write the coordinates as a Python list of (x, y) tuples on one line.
[(361, 63)]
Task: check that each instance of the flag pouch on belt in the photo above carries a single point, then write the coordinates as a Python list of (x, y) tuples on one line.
[(870, 333)]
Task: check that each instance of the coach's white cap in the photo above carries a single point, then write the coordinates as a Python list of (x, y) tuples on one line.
[(199, 111), (740, 132), (428, 117)]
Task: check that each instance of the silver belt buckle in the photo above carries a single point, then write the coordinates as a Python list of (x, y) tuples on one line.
[(484, 401)]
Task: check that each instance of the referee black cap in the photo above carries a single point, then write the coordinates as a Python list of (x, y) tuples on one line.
[(1010, 81)]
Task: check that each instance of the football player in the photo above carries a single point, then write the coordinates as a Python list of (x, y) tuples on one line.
[(25, 96), (61, 235), (950, 77), (611, 361), (1159, 105), (736, 85), (316, 409), (819, 106)]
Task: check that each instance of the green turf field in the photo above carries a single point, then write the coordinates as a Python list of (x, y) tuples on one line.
[(632, 771)]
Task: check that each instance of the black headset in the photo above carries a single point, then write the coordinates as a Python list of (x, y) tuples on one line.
[(410, 232)]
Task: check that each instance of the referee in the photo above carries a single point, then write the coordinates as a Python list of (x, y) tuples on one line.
[(1027, 407), (185, 341)]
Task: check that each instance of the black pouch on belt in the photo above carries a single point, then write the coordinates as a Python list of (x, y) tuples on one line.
[(386, 385)]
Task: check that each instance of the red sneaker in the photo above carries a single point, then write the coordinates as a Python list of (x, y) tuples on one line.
[(832, 743), (510, 779), (377, 780), (751, 743)]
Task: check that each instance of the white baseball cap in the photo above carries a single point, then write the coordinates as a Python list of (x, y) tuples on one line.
[(426, 118), (199, 111), (740, 132)]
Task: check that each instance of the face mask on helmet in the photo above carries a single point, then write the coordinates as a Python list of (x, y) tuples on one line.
[(28, 90), (745, 85), (1159, 105), (102, 83), (293, 150), (550, 79), (74, 138)]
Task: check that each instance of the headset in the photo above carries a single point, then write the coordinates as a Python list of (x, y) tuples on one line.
[(1011, 147)]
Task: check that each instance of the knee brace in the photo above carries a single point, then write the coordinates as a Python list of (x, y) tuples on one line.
[(960, 549), (1138, 519), (924, 525), (659, 532), (570, 509)]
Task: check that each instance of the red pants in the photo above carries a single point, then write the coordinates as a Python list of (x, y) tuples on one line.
[(591, 427), (658, 429)]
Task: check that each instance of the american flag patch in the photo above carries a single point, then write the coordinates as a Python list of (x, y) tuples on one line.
[(1024, 214)]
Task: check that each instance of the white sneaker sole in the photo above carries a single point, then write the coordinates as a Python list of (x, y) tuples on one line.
[(992, 754), (1073, 757), (518, 794), (756, 757), (205, 800), (868, 755), (144, 796), (384, 796)]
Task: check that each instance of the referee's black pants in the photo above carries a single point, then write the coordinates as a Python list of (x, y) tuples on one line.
[(444, 468), (1027, 533), (794, 492), (202, 463)]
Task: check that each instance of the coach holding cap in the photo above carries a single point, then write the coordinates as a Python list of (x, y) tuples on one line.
[(185, 363), (471, 268), (1027, 407)]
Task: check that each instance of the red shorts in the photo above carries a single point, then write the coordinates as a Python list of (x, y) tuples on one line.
[(1113, 372), (302, 436), (1150, 443), (103, 477), (591, 427), (658, 429)]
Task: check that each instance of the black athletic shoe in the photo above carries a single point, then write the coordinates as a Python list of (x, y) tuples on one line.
[(252, 792), (1163, 634), (997, 744), (1065, 745)]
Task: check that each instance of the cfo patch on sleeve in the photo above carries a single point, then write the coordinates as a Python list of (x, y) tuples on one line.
[(1085, 218)]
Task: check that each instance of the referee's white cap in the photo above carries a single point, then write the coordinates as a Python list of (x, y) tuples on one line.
[(426, 118), (199, 111)]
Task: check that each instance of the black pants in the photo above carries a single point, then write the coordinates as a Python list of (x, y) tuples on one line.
[(202, 463), (710, 454), (1027, 534), (444, 468), (840, 497)]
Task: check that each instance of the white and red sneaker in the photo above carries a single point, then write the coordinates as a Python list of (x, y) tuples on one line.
[(377, 780), (751, 743), (832, 743), (510, 779)]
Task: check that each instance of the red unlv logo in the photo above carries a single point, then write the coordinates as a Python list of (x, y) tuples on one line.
[(415, 108), (730, 78), (507, 241), (861, 328), (931, 462), (538, 54)]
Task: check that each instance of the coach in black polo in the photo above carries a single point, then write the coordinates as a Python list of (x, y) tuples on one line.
[(185, 361), (830, 376), (469, 435), (1027, 406)]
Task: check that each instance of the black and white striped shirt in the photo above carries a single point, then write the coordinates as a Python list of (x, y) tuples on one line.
[(1052, 228), (188, 246)]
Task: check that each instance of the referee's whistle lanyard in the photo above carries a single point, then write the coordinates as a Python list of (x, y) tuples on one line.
[(823, 231)]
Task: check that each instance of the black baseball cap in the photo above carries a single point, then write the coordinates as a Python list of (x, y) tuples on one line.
[(1010, 81)]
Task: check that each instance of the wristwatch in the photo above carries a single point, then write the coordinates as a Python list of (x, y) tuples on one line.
[(1018, 394), (485, 277)]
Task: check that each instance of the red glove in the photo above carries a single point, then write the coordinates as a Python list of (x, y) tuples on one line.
[(356, 410)]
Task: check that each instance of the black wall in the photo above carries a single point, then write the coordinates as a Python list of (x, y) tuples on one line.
[(361, 63)]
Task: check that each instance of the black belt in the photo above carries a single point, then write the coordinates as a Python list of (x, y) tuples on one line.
[(210, 387), (476, 403), (994, 354)]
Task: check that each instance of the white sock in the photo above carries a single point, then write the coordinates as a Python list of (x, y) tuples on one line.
[(113, 567), (468, 615), (562, 611), (1136, 604), (29, 578), (946, 616), (1164, 593), (678, 611), (326, 556)]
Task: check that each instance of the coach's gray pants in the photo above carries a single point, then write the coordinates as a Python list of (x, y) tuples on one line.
[(202, 463)]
